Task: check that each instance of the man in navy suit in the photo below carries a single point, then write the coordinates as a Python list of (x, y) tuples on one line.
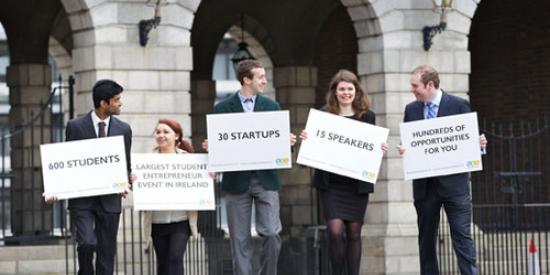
[(450, 191), (95, 219)]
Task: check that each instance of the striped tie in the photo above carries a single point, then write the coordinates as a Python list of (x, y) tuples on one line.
[(431, 110)]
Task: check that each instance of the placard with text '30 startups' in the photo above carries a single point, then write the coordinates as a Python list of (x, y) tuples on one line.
[(441, 146), (84, 168), (248, 141), (343, 146)]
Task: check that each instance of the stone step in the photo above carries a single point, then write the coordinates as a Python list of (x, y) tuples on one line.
[(54, 259)]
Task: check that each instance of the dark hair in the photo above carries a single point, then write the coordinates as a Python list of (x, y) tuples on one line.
[(244, 69), (360, 103), (427, 73), (105, 89), (176, 127)]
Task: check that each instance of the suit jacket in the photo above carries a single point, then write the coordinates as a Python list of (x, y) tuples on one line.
[(237, 182), (83, 128), (321, 178), (449, 185)]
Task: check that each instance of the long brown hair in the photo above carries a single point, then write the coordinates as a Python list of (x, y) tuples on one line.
[(360, 103), (176, 127)]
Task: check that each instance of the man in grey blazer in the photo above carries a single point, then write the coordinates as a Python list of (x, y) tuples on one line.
[(450, 191), (95, 219)]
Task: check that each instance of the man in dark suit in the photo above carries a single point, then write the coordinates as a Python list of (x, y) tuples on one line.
[(95, 219), (450, 191), (243, 188)]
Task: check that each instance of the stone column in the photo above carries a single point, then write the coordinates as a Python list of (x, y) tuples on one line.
[(295, 91), (390, 231), (203, 95), (30, 86)]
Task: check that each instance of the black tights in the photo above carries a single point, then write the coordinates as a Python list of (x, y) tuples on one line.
[(340, 250)]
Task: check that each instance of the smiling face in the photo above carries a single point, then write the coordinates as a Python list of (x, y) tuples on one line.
[(165, 137), (422, 92), (258, 82), (345, 93)]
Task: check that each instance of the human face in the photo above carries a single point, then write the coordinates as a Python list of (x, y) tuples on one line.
[(165, 137), (258, 82), (113, 107), (423, 93), (345, 93)]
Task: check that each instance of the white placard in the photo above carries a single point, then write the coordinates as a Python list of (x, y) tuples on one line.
[(248, 141), (84, 168), (441, 146), (343, 146), (172, 182)]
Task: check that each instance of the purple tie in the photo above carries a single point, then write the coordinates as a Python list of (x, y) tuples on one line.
[(101, 132)]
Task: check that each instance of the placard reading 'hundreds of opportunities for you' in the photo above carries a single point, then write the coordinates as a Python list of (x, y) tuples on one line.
[(248, 141), (343, 146), (84, 168), (441, 146), (172, 182)]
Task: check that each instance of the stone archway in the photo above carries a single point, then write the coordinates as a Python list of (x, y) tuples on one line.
[(509, 52), (257, 50), (389, 41)]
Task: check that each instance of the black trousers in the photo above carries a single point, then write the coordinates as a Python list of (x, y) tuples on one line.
[(170, 243), (95, 231), (459, 214)]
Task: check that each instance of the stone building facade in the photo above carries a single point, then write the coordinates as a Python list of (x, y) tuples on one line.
[(304, 42)]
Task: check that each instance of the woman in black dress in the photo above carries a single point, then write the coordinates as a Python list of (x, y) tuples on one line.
[(344, 200)]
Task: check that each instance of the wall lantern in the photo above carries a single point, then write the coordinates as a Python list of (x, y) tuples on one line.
[(443, 7), (145, 25), (242, 52)]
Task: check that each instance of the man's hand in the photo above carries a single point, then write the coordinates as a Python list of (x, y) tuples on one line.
[(133, 178), (303, 135), (49, 199), (401, 149), (123, 194), (205, 145), (292, 139), (384, 147), (482, 142)]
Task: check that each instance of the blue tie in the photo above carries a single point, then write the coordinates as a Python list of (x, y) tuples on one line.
[(431, 110)]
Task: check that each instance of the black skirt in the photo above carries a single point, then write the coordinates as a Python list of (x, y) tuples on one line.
[(342, 201)]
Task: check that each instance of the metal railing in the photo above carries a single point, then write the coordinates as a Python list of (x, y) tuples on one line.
[(509, 201), (210, 253), (24, 218)]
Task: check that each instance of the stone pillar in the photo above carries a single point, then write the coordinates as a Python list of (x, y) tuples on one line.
[(295, 91), (203, 95), (156, 78), (30, 86)]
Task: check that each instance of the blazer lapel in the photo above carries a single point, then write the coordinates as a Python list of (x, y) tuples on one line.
[(235, 104), (418, 111), (443, 109), (259, 104), (89, 127), (112, 131)]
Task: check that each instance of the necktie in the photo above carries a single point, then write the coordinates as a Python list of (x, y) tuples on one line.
[(248, 100), (431, 110), (101, 132)]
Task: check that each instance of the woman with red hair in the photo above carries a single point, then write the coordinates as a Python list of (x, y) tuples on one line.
[(170, 230)]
